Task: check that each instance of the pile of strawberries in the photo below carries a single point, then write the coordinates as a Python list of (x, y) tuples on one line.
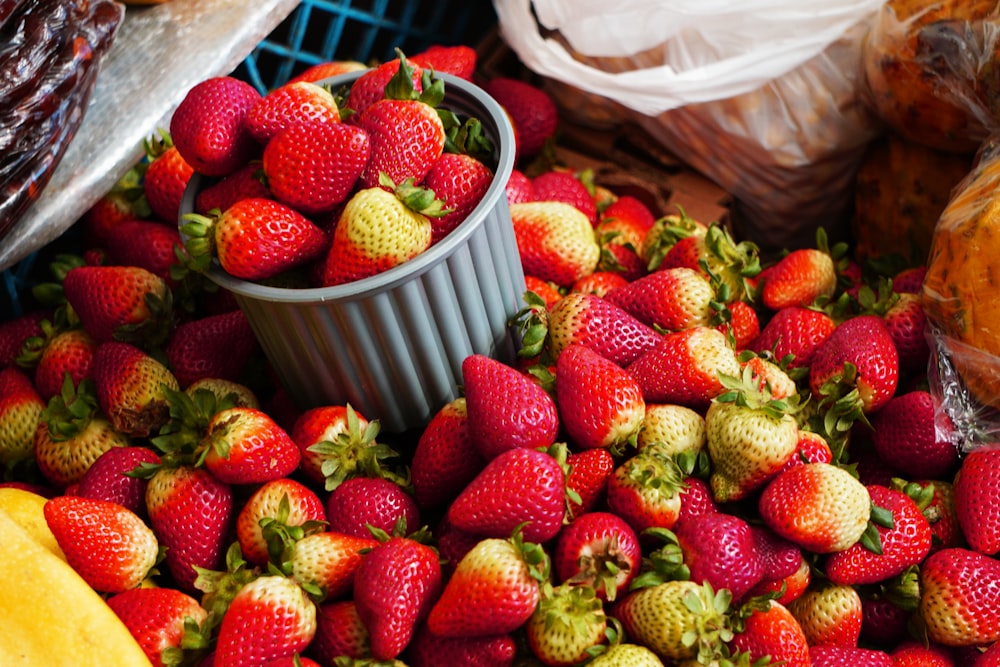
[(704, 457)]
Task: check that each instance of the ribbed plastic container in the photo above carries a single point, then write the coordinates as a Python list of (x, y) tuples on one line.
[(392, 345)]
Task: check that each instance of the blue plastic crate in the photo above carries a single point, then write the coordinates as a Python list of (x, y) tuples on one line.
[(368, 31)]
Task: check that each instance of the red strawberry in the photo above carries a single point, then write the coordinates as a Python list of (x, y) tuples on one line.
[(147, 244), (158, 618), (907, 323), (429, 650), (976, 488), (215, 346), (600, 325), (15, 331), (458, 60), (460, 181), (555, 240), (445, 459), (107, 544), (940, 511), (245, 446), (960, 597), (800, 278), (599, 283), (829, 614), (720, 548), (811, 448), (165, 180), (107, 478), (589, 471), (340, 633), (506, 408), (370, 87), (289, 104), (629, 217), (407, 137), (208, 127), (989, 658), (742, 323), (361, 501), (911, 653), (494, 589), (696, 499), (518, 485), (531, 110), (271, 517), (378, 230), (20, 412), (268, 618), (864, 342), (71, 352), (328, 561), (520, 188), (794, 331), (671, 299), (684, 368), (294, 660), (600, 404), (313, 166), (903, 544), (119, 302), (779, 558), (190, 511), (844, 656), (122, 202), (336, 443), (245, 183), (132, 388), (547, 291), (254, 239), (395, 586), (910, 280), (645, 490), (328, 69), (910, 433), (565, 186), (600, 550), (773, 632)]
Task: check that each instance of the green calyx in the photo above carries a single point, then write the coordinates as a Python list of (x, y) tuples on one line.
[(746, 390), (199, 239), (416, 198), (70, 411)]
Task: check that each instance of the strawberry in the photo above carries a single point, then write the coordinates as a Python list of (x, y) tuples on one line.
[(677, 620), (407, 137), (811, 448), (63, 352), (958, 599), (428, 650), (818, 506), (379, 230), (907, 323), (288, 104), (532, 112), (395, 586), (568, 623), (124, 201), (21, 409), (750, 437), (589, 471), (506, 408), (159, 620), (599, 283), (517, 486), (567, 187), (209, 128), (253, 239), (247, 182), (460, 181), (278, 513), (629, 217), (674, 428), (445, 459), (107, 544), (555, 241), (696, 498), (72, 434), (328, 561), (458, 60), (720, 548), (519, 188), (675, 239), (670, 299), (909, 280), (215, 346), (312, 166), (294, 660), (167, 176), (546, 291), (626, 655), (269, 617), (370, 87), (363, 501), (598, 550), (803, 277), (120, 303), (989, 658), (148, 244), (245, 446), (190, 511), (16, 330), (684, 368), (600, 325), (940, 511), (742, 323), (781, 563), (848, 656), (884, 622), (645, 490), (863, 342), (976, 499), (108, 477), (829, 615), (911, 653), (710, 249), (131, 387), (771, 631), (327, 70), (339, 633), (494, 589), (794, 331), (909, 432), (599, 403)]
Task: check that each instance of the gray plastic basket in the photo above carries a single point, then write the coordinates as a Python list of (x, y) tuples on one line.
[(392, 345)]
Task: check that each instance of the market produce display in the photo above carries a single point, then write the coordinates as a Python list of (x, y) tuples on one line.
[(702, 456)]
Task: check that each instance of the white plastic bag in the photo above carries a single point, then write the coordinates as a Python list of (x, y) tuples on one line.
[(711, 49)]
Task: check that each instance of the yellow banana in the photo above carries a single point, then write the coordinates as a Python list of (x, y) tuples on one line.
[(50, 615), (26, 509)]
